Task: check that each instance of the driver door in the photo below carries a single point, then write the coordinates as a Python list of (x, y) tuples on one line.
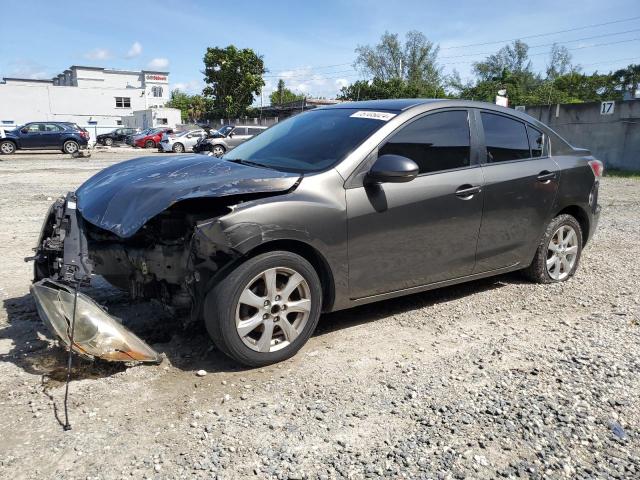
[(403, 235), (31, 135)]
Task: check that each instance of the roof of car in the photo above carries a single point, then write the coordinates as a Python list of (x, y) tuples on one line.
[(396, 104)]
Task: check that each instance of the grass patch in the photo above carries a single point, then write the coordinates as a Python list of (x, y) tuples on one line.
[(622, 173)]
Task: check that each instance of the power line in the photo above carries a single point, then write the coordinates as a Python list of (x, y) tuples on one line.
[(542, 34), (551, 44), (491, 43)]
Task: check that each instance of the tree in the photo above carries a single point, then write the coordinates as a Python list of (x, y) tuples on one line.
[(414, 63), (233, 77), (628, 79), (512, 58), (283, 95), (181, 101), (560, 62), (197, 108)]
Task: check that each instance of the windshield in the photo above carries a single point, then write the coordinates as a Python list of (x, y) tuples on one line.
[(224, 130), (308, 142)]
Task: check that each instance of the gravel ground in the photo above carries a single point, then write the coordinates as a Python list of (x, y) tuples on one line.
[(495, 378)]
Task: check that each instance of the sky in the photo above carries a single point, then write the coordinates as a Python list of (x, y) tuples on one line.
[(310, 44)]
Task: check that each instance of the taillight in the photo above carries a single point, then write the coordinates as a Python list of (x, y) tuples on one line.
[(597, 166), (84, 135)]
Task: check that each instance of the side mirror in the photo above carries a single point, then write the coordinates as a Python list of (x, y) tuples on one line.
[(189, 136), (392, 169), (24, 130)]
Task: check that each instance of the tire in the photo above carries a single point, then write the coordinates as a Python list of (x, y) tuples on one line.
[(70, 147), (149, 144), (7, 147), (108, 142), (555, 260), (178, 148), (224, 310), (218, 150)]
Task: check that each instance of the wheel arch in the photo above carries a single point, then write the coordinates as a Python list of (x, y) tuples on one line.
[(309, 253), (581, 216)]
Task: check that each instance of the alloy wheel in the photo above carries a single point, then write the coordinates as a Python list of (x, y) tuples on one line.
[(562, 252), (71, 147), (218, 151), (273, 309), (7, 147)]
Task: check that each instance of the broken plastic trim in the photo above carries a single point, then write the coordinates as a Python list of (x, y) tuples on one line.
[(97, 334)]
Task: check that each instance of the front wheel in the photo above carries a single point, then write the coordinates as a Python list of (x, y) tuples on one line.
[(218, 150), (7, 147), (178, 148), (265, 310), (70, 147), (558, 254)]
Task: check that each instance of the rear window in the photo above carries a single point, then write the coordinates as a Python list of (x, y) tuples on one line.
[(506, 139)]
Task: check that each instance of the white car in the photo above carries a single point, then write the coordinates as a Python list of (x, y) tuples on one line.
[(181, 141)]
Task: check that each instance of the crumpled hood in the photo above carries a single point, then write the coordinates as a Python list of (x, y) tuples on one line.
[(125, 196)]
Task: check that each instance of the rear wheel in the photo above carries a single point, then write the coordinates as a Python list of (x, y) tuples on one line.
[(265, 310), (178, 148), (70, 147), (7, 147), (218, 150), (558, 253), (149, 144)]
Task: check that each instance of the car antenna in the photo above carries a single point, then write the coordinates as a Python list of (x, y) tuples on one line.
[(67, 425)]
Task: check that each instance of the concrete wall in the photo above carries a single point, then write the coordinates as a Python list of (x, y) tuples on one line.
[(614, 139)]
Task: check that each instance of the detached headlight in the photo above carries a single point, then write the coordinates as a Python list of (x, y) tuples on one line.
[(96, 333)]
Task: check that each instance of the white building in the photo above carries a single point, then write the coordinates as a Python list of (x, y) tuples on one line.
[(88, 96)]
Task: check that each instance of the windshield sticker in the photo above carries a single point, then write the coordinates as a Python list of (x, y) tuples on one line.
[(384, 116)]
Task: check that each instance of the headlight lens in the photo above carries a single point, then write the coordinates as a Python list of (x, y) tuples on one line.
[(96, 333)]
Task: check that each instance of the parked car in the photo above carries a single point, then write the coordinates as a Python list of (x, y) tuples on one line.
[(152, 138), (65, 136), (119, 135), (336, 207), (130, 139), (227, 138), (181, 141)]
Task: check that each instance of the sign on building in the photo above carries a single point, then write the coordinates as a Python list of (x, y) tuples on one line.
[(607, 108)]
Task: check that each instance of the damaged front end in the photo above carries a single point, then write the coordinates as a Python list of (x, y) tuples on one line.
[(62, 266), (154, 228)]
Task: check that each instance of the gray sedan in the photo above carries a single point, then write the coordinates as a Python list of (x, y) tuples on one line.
[(333, 208)]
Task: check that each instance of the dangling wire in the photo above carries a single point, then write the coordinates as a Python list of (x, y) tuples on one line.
[(67, 425)]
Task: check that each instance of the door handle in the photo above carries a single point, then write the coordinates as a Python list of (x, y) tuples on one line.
[(467, 191), (546, 176)]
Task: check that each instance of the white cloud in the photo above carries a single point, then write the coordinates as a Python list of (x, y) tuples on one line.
[(309, 81), (98, 54), (158, 63), (191, 86), (135, 50), (28, 69)]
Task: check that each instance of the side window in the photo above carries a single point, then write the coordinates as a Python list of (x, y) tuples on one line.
[(506, 139), (537, 142), (35, 128), (439, 141), (253, 131), (52, 127)]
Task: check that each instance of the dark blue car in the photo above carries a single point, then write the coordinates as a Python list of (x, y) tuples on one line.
[(65, 136)]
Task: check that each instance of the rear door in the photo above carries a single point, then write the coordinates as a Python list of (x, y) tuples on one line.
[(521, 182), (51, 136)]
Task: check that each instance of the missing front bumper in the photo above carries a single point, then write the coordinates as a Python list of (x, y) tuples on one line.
[(97, 334)]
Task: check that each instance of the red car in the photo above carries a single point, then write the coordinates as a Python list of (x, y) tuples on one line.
[(151, 139)]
